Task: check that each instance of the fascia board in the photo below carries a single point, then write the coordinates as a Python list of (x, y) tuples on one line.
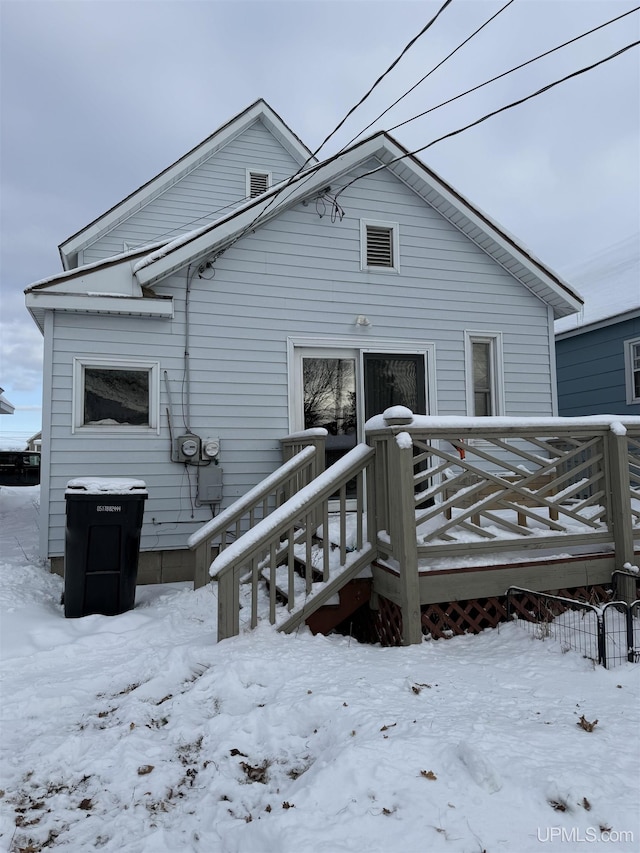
[(172, 174), (224, 231), (97, 303), (287, 137)]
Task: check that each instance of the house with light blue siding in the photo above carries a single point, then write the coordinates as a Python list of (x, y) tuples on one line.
[(249, 292)]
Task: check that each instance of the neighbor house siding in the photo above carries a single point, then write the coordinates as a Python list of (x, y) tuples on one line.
[(297, 276), (211, 190), (591, 370)]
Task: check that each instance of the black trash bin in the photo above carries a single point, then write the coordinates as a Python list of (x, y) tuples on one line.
[(102, 543)]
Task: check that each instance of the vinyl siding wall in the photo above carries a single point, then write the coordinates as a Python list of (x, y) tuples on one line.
[(591, 371), (296, 276), (213, 189)]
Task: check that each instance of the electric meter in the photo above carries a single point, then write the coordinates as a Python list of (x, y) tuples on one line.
[(210, 448), (186, 448), (189, 447)]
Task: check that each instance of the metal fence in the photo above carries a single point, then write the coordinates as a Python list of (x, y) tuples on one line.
[(608, 634)]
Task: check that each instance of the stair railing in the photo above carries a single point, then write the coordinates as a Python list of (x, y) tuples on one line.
[(335, 549), (301, 467)]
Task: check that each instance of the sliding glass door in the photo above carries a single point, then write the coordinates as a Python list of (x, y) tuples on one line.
[(342, 388)]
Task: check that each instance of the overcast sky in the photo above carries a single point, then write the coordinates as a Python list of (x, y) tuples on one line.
[(98, 96)]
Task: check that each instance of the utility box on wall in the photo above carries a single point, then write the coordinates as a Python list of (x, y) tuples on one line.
[(210, 484)]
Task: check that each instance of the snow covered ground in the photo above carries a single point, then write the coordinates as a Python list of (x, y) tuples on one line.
[(139, 734)]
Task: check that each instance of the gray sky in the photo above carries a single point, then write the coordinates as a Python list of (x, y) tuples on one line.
[(98, 96)]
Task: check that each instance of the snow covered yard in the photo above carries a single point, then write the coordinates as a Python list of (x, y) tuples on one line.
[(138, 733)]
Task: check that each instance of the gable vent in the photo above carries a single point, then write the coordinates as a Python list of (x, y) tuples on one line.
[(379, 246), (258, 183)]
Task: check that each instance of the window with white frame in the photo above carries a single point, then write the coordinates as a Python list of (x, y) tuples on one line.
[(484, 375), (379, 245), (115, 394), (258, 182), (632, 370)]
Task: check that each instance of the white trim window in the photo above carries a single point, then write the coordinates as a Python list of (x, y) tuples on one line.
[(632, 370), (112, 394), (258, 182), (379, 246), (484, 374)]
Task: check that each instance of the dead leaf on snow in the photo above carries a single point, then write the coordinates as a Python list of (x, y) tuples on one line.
[(586, 725)]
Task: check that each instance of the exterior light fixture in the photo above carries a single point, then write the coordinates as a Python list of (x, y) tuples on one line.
[(361, 320)]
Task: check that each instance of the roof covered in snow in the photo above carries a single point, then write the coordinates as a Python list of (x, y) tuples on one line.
[(609, 283)]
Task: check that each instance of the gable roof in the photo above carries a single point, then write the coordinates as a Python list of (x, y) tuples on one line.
[(212, 239), (258, 111)]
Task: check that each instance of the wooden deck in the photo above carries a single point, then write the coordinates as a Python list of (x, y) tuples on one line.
[(547, 504)]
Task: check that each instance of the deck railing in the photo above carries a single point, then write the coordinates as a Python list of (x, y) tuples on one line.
[(450, 487)]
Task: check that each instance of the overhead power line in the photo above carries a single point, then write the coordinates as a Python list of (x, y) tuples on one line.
[(510, 71), (491, 114), (296, 175), (181, 228), (429, 73), (382, 76)]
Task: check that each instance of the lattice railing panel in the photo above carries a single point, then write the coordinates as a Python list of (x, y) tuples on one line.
[(506, 486)]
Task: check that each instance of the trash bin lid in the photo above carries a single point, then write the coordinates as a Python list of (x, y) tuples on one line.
[(106, 485)]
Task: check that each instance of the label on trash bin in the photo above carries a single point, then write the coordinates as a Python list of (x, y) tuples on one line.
[(108, 509)]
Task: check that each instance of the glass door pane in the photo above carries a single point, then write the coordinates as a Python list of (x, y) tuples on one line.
[(394, 380), (329, 399)]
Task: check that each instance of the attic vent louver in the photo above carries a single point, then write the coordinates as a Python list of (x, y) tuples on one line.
[(258, 183), (379, 246)]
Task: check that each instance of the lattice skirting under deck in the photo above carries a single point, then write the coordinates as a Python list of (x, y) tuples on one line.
[(451, 618)]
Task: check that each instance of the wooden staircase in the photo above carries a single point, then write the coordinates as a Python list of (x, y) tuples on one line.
[(327, 604), (296, 534)]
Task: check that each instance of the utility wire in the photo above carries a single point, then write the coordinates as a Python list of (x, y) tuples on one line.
[(382, 76), (295, 177), (179, 230), (352, 110), (309, 173), (299, 175), (510, 71), (490, 115), (429, 73)]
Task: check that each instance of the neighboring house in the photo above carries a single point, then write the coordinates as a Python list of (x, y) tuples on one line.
[(181, 357), (6, 408), (35, 442), (598, 350)]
